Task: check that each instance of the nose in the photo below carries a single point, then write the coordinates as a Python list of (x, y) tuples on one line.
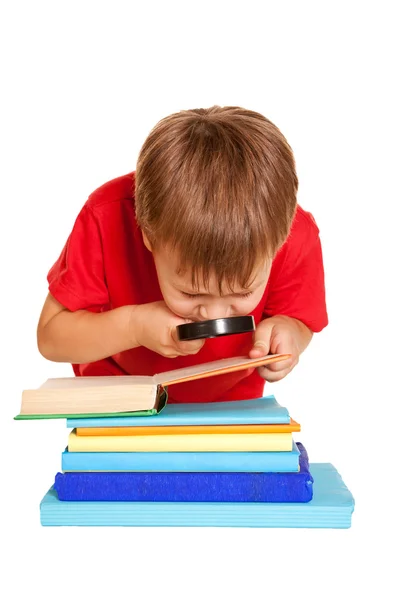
[(214, 311)]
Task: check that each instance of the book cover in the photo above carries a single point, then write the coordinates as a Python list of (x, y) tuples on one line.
[(191, 429), (234, 442), (262, 411), (188, 487), (120, 394), (243, 462), (331, 507)]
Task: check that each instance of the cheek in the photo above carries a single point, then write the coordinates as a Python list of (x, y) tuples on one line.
[(247, 305), (180, 306), (175, 302)]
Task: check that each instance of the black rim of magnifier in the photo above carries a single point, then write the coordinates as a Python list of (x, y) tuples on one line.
[(215, 328)]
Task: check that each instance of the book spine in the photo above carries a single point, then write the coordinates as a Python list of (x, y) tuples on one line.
[(165, 419), (181, 461), (184, 487), (182, 443)]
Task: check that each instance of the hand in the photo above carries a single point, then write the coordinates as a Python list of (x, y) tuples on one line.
[(280, 335), (153, 325)]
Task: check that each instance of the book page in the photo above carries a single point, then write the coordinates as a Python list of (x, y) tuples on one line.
[(74, 395), (61, 383)]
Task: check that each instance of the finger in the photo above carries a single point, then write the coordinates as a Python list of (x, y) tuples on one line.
[(186, 346), (174, 335), (259, 349), (191, 347), (169, 353), (281, 365), (273, 376), (173, 352)]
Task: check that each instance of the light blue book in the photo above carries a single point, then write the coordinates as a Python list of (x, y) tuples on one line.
[(240, 412), (214, 462), (331, 507)]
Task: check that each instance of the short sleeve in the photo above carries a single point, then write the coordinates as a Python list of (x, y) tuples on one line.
[(296, 286), (77, 278)]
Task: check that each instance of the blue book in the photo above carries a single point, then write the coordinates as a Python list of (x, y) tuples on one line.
[(332, 507), (251, 462), (188, 487), (240, 412)]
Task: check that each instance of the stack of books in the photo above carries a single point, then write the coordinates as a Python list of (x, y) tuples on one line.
[(209, 464), (239, 451)]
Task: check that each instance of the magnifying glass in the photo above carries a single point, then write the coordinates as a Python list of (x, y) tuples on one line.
[(215, 328)]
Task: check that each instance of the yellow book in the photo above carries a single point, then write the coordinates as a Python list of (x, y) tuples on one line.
[(213, 442)]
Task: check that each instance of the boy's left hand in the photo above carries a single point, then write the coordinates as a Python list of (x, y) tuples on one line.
[(280, 335)]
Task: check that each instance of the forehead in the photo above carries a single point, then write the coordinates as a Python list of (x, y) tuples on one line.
[(185, 277), (189, 281)]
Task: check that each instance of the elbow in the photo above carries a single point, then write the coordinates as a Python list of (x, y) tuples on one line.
[(46, 345)]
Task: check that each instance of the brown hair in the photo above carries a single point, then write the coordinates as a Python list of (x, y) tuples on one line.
[(219, 186)]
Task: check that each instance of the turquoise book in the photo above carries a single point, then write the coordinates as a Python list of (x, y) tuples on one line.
[(259, 411), (239, 462), (331, 507)]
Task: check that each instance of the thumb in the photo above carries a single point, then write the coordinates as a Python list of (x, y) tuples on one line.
[(261, 344), (174, 331)]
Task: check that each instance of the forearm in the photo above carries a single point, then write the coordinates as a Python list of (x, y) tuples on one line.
[(83, 337)]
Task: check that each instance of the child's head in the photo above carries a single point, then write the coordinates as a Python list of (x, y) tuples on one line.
[(215, 198)]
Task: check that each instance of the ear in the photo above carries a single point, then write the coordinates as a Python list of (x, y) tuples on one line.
[(146, 242)]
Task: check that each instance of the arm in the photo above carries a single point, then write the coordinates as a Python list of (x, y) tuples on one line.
[(295, 306), (83, 337), (77, 325)]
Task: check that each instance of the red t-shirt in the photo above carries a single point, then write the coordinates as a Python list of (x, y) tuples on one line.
[(105, 264)]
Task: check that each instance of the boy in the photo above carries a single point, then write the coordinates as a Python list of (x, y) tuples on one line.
[(207, 227)]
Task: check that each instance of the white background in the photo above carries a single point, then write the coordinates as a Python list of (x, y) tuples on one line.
[(82, 85)]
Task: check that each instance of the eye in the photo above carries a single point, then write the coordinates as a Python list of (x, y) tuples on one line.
[(197, 295)]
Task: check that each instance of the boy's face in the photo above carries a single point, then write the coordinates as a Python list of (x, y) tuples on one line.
[(202, 304)]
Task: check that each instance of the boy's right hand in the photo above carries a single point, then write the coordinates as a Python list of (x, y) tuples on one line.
[(153, 325)]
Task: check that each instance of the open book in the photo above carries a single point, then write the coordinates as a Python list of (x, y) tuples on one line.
[(120, 395)]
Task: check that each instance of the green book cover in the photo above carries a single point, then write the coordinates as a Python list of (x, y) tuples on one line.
[(163, 398)]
